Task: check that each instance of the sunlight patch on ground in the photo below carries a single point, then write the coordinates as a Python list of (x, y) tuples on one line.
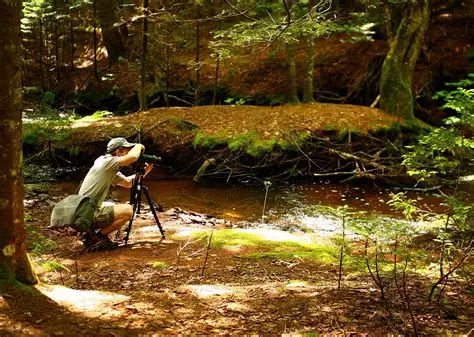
[(296, 284), (187, 232), (207, 290), (88, 302), (234, 248), (276, 235)]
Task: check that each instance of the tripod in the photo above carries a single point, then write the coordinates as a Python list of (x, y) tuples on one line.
[(136, 199)]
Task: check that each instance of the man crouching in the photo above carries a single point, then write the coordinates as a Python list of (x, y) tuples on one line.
[(108, 216)]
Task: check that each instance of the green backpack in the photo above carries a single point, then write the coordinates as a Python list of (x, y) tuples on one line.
[(75, 211)]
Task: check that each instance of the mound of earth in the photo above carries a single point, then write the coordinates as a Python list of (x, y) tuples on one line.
[(172, 130)]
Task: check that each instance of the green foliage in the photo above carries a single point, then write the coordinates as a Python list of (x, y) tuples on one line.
[(360, 28), (293, 141), (344, 133), (391, 131), (38, 243), (318, 253), (201, 140), (271, 23), (446, 150), (50, 266), (400, 202), (99, 114), (159, 264), (27, 217), (284, 248), (47, 124), (48, 98), (238, 143), (235, 101), (250, 143), (260, 147)]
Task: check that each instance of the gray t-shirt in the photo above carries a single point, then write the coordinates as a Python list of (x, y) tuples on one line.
[(103, 173)]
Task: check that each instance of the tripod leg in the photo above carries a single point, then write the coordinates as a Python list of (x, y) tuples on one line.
[(152, 207), (139, 197), (135, 206)]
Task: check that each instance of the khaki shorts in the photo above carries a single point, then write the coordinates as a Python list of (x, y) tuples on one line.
[(104, 216)]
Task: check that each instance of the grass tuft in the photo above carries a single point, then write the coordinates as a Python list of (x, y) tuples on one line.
[(159, 264), (54, 266)]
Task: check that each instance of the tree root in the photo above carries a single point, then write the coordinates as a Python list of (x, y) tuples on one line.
[(316, 158)]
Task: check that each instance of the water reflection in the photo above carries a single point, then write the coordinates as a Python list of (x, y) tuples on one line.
[(239, 202)]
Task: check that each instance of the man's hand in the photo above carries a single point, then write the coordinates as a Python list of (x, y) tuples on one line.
[(148, 168)]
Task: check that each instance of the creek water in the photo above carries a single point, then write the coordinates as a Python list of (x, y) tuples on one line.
[(286, 205)]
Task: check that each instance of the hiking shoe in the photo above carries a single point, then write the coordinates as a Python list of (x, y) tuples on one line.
[(94, 242)]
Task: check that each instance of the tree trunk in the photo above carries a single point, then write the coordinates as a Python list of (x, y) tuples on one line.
[(406, 24), (71, 36), (216, 81), (167, 72), (308, 74), (292, 90), (197, 95), (216, 73), (292, 93), (106, 13), (40, 23), (96, 73), (14, 262), (56, 44), (143, 105)]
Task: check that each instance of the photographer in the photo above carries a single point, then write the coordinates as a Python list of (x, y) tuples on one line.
[(105, 172)]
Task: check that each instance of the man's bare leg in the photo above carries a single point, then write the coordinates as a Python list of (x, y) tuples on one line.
[(122, 214)]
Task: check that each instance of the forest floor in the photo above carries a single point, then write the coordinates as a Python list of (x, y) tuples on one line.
[(178, 286)]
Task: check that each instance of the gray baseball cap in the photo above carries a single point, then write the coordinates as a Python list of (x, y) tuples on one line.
[(115, 143)]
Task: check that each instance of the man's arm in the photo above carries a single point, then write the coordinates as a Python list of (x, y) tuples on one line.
[(132, 156), (127, 182)]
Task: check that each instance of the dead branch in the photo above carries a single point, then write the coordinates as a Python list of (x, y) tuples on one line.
[(346, 155), (207, 253)]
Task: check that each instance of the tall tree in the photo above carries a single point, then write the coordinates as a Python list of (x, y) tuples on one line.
[(14, 262), (94, 22), (292, 91), (309, 62), (197, 93), (405, 24), (107, 15), (143, 104)]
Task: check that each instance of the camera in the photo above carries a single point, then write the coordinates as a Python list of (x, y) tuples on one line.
[(148, 158)]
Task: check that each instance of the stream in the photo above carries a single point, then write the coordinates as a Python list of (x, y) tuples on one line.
[(287, 205)]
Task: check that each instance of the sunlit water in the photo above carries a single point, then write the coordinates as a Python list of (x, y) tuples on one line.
[(287, 205)]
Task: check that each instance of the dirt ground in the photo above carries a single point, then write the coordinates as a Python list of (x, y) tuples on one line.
[(176, 286)]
